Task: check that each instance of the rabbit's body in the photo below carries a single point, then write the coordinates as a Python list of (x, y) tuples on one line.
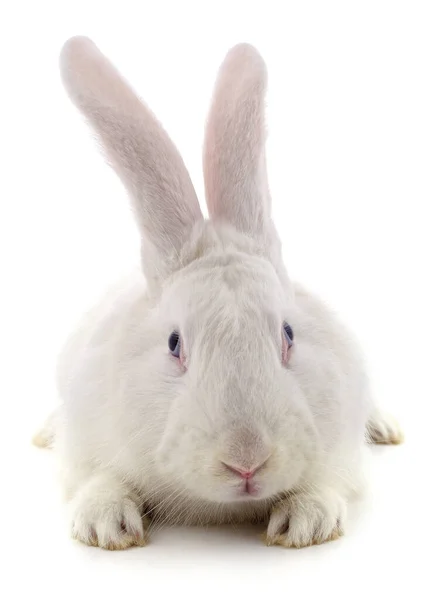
[(219, 391), (117, 407)]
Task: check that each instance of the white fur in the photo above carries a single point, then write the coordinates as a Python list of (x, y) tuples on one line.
[(138, 434)]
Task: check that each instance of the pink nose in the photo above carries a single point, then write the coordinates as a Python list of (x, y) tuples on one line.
[(244, 474)]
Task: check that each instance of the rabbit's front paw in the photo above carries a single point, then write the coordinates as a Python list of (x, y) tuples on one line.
[(107, 517), (306, 519)]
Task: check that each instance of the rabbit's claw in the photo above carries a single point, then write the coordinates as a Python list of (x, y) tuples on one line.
[(107, 518), (306, 520), (383, 429)]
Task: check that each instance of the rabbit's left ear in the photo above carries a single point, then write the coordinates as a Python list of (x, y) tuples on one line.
[(140, 152), (234, 161)]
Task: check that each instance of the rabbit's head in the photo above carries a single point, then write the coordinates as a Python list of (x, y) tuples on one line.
[(234, 425)]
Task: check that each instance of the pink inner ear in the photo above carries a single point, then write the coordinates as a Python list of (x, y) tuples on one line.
[(286, 350)]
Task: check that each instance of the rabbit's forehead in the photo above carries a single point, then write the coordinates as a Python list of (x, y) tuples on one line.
[(239, 291)]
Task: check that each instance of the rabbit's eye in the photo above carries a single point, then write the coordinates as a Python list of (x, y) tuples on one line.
[(175, 344), (287, 342), (288, 333)]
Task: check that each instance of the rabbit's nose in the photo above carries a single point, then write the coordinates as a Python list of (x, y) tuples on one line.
[(244, 473)]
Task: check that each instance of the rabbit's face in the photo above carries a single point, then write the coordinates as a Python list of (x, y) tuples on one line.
[(238, 424)]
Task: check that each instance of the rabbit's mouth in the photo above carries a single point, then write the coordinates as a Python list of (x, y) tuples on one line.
[(249, 488)]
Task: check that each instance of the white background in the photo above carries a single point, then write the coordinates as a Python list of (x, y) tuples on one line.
[(351, 155)]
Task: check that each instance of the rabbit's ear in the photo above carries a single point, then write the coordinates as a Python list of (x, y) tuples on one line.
[(234, 151), (140, 152)]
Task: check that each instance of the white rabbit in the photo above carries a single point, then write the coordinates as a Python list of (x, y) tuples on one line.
[(219, 391)]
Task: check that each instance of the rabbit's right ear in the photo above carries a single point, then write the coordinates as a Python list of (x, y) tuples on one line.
[(140, 152), (234, 149)]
